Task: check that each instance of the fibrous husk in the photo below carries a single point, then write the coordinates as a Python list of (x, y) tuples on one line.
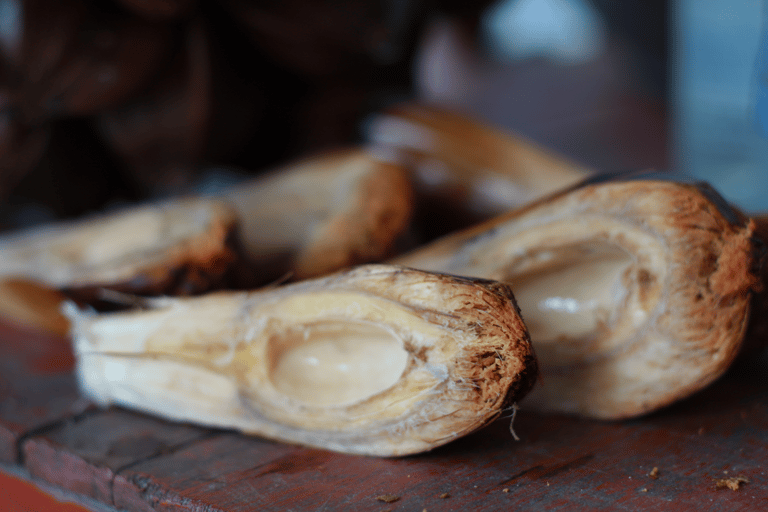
[(323, 213), (182, 247), (464, 166), (636, 293), (311, 217), (379, 360)]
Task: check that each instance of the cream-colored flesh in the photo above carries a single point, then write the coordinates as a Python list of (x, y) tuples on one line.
[(280, 361), (379, 360), (492, 165), (575, 280), (617, 335), (101, 247), (280, 212), (573, 300), (336, 363), (109, 240)]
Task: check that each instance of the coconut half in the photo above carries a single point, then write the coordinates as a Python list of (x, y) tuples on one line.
[(636, 293), (380, 360), (322, 213), (465, 163), (180, 247), (311, 217)]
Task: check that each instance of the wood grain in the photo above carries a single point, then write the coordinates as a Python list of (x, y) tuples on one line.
[(37, 387), (83, 455), (139, 463), (561, 463)]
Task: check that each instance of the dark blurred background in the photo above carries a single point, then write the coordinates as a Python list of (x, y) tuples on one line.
[(106, 102)]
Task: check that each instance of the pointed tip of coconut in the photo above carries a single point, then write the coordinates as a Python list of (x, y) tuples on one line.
[(735, 274)]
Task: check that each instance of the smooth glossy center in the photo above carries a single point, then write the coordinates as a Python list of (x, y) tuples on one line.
[(574, 293), (336, 363)]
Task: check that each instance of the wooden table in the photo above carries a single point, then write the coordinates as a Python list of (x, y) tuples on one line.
[(136, 462)]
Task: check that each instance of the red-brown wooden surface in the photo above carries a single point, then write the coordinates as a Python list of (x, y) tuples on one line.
[(20, 495), (136, 462)]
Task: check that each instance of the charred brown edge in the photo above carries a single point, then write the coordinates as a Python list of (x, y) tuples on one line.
[(525, 380), (730, 213), (757, 327), (189, 277)]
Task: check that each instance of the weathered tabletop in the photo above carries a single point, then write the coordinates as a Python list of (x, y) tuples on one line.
[(136, 462)]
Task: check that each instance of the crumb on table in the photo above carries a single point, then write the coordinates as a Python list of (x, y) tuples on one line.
[(388, 498), (733, 483)]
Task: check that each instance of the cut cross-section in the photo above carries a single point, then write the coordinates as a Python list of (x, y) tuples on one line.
[(380, 360), (636, 293), (181, 247), (322, 214)]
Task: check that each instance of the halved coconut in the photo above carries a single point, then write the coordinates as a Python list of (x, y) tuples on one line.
[(636, 293), (322, 214), (379, 360), (311, 217), (178, 247), (465, 163)]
